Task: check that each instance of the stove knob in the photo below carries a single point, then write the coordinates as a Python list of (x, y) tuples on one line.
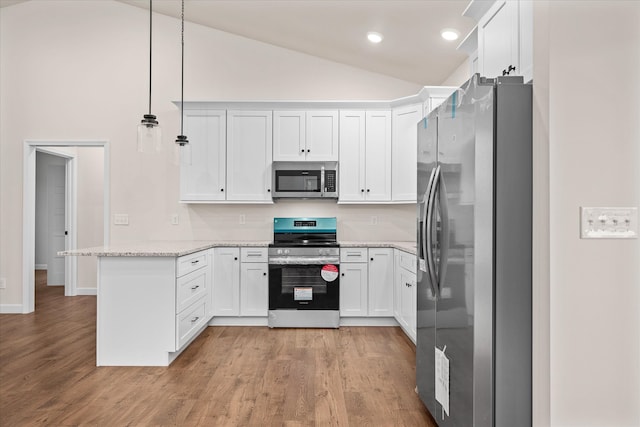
[(286, 251), (279, 251)]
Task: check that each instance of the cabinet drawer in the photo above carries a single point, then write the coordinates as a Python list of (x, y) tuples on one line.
[(407, 261), (353, 255), (253, 254), (190, 321), (192, 262), (190, 288)]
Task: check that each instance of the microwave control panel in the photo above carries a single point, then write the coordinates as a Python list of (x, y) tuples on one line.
[(330, 181)]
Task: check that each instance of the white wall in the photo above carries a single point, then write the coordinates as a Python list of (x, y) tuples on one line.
[(90, 199), (593, 134), (78, 70)]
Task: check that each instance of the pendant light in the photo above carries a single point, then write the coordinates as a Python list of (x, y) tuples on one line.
[(149, 133), (181, 140)]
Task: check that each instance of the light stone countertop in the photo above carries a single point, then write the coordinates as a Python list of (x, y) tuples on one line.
[(167, 248), (159, 248)]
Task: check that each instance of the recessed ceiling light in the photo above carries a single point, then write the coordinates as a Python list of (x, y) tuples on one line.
[(374, 37), (450, 34)]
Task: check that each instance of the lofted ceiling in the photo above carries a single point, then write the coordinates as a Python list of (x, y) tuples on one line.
[(412, 48)]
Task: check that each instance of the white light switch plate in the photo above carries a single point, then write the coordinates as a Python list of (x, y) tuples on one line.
[(609, 223), (121, 219)]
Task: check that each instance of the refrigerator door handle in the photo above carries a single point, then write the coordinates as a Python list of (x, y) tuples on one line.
[(425, 201), (444, 231), (431, 267)]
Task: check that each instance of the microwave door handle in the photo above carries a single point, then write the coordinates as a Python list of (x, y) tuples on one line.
[(322, 189)]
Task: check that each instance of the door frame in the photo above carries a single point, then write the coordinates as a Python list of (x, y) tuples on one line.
[(29, 209)]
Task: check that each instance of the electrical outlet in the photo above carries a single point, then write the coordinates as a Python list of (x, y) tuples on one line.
[(175, 219), (3, 283), (121, 219), (242, 219), (374, 220)]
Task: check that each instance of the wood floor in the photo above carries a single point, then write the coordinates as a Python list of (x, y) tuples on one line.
[(229, 376)]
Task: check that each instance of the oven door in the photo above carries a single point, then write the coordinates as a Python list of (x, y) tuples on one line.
[(304, 286)]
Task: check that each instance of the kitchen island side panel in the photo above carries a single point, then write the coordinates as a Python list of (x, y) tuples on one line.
[(136, 311)]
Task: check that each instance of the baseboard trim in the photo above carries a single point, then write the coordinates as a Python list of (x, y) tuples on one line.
[(11, 309), (368, 321), (87, 291), (41, 266)]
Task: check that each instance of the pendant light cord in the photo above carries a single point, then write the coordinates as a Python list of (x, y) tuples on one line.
[(150, 41), (182, 76)]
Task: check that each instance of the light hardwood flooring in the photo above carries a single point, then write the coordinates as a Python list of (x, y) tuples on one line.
[(229, 376)]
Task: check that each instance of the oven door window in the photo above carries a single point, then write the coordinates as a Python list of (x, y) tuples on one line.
[(297, 181), (303, 287)]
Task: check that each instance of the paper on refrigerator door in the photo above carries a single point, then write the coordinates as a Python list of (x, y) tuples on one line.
[(442, 379)]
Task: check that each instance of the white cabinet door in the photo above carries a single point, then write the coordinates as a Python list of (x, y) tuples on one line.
[(204, 178), (408, 308), (352, 156), (249, 153), (381, 282), (322, 135), (498, 39), (289, 135), (378, 156), (365, 156), (404, 145), (226, 282), (353, 290), (254, 289)]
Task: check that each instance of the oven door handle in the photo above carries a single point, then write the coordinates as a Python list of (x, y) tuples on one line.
[(303, 261)]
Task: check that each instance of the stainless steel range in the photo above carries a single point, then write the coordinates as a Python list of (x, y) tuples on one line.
[(304, 274)]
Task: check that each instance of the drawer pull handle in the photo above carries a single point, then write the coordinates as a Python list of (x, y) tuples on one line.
[(356, 254), (193, 288), (195, 262), (253, 254), (195, 319)]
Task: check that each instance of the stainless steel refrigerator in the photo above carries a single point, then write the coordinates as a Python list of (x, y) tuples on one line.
[(473, 355)]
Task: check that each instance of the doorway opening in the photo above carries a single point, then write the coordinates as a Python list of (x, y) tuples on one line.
[(72, 153)]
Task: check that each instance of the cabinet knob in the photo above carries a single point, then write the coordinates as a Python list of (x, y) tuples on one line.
[(371, 259), (302, 151), (368, 190), (222, 189), (362, 190), (235, 258), (342, 274), (308, 151), (264, 274), (268, 190)]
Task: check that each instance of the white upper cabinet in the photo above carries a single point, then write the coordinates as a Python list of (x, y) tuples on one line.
[(403, 156), (249, 154), (204, 178), (322, 135), (305, 135), (365, 156), (505, 40)]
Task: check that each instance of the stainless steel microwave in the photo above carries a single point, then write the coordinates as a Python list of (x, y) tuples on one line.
[(305, 180)]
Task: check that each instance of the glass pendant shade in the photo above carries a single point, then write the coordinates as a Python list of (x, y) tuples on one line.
[(183, 151), (149, 134)]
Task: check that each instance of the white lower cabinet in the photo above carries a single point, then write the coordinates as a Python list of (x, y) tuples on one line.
[(353, 289), (366, 282), (381, 280), (226, 282), (150, 308), (405, 306), (241, 282), (254, 282)]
